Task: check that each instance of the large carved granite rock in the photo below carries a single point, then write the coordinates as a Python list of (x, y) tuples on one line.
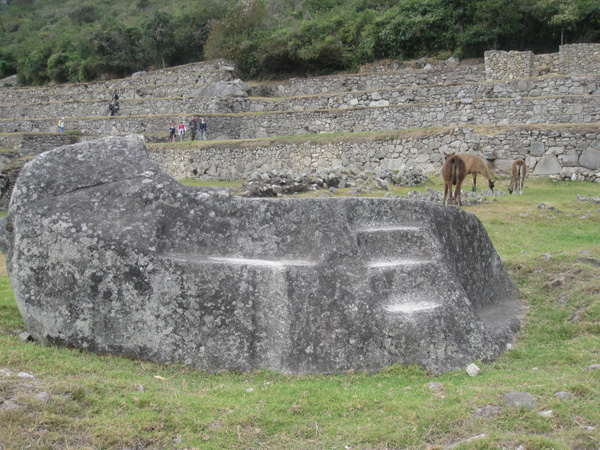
[(107, 253)]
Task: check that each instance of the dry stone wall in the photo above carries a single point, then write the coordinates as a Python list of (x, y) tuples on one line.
[(430, 97), (571, 59), (501, 65), (502, 111), (568, 153), (179, 77), (33, 144), (377, 80), (531, 87), (579, 58), (544, 64)]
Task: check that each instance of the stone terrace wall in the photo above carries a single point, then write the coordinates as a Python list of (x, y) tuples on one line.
[(368, 81), (579, 58), (33, 144), (501, 65), (193, 68), (546, 151), (544, 64), (532, 110), (534, 87), (183, 84), (571, 59), (186, 77)]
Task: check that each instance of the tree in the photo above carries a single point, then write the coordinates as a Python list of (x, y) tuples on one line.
[(158, 37), (115, 50), (415, 28), (493, 24), (559, 14)]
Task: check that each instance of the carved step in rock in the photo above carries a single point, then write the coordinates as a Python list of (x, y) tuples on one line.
[(108, 253)]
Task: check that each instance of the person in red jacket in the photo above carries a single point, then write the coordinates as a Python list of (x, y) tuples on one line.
[(181, 131)]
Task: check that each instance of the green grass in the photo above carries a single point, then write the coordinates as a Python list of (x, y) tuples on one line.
[(95, 401)]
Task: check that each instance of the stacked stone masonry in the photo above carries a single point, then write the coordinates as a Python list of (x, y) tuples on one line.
[(448, 95), (571, 60), (501, 65), (578, 59), (182, 107), (181, 85), (546, 151), (183, 77), (504, 111)]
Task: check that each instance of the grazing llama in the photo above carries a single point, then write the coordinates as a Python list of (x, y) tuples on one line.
[(518, 170), (476, 164), (454, 172)]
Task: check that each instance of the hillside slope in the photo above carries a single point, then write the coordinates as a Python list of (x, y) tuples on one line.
[(76, 41)]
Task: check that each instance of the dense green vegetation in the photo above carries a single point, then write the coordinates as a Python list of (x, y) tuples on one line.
[(98, 402), (83, 40)]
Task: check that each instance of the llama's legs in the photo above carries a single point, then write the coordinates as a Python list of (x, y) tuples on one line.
[(446, 193), (521, 186)]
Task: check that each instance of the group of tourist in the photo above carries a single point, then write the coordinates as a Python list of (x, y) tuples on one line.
[(195, 127)]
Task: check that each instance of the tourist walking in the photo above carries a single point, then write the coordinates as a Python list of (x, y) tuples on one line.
[(202, 128), (111, 107), (115, 103), (61, 124), (193, 127), (172, 131), (181, 131)]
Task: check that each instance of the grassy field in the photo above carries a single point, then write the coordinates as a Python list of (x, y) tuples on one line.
[(552, 254)]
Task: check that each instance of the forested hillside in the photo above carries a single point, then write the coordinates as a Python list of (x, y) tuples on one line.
[(83, 40)]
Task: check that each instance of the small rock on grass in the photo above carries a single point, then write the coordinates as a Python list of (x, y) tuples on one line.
[(436, 387), (25, 375), (25, 336), (487, 411), (473, 370), (42, 397), (7, 405), (518, 399)]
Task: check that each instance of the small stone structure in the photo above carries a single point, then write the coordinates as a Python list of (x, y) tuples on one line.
[(502, 65), (571, 59), (107, 253), (579, 58)]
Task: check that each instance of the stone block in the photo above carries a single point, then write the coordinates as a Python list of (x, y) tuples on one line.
[(108, 253), (547, 165), (537, 149), (502, 166), (590, 159), (570, 160)]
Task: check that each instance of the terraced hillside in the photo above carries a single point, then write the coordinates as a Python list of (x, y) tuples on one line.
[(377, 120)]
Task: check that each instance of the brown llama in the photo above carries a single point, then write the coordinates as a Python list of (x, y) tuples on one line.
[(454, 172), (476, 164), (518, 170)]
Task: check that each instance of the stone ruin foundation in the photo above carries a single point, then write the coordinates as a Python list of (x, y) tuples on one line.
[(108, 253)]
